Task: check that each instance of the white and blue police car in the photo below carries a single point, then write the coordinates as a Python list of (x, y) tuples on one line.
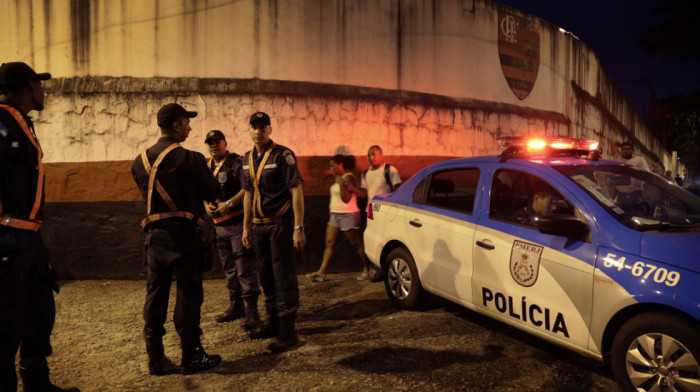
[(597, 256)]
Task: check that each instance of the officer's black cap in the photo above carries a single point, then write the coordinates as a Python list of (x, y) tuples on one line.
[(259, 119), (172, 112), (19, 73), (215, 135)]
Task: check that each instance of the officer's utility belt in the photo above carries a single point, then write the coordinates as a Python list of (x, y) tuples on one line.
[(31, 223), (15, 223), (154, 183), (258, 216), (277, 215)]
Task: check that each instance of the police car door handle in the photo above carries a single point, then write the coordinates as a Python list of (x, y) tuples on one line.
[(416, 223), (485, 245)]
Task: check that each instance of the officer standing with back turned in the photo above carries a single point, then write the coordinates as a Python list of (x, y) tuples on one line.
[(27, 307), (274, 225), (174, 182), (238, 262)]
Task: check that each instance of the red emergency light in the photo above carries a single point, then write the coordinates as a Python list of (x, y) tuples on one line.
[(515, 146)]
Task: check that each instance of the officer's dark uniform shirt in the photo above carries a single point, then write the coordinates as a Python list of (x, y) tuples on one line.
[(278, 175), (19, 167), (229, 184), (183, 173)]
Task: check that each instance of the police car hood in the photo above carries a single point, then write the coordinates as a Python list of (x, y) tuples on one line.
[(677, 249)]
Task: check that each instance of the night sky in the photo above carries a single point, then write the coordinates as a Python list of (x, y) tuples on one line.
[(611, 28)]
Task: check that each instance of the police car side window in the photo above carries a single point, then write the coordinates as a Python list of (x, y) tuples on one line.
[(522, 198), (453, 189)]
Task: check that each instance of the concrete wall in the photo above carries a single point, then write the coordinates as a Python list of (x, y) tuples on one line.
[(421, 78)]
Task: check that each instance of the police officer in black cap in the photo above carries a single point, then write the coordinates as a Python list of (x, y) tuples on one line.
[(274, 225), (27, 308), (174, 182), (238, 262)]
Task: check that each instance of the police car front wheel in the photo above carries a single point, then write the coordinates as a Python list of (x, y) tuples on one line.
[(657, 351), (402, 282)]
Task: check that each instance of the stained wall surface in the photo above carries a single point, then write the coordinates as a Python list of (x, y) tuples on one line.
[(423, 79)]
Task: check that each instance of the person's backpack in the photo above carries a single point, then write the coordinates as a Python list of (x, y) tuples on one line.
[(387, 178)]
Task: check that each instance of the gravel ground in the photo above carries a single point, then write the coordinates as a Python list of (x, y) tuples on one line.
[(351, 339)]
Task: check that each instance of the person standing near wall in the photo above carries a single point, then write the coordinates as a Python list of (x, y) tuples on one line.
[(27, 307), (174, 182), (238, 262), (379, 179), (274, 224), (345, 217)]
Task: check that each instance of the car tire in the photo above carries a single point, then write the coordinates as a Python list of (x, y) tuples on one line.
[(401, 280), (657, 351)]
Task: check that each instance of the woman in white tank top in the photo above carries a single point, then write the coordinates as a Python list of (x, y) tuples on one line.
[(345, 217)]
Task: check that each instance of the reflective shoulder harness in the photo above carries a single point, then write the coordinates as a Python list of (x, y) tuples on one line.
[(153, 182), (258, 216), (215, 171), (31, 224)]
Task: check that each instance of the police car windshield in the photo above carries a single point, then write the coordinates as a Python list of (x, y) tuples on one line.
[(638, 198)]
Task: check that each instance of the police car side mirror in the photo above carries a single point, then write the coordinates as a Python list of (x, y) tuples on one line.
[(563, 225)]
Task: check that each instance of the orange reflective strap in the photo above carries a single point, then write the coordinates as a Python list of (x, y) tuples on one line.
[(218, 165), (9, 221), (152, 178), (40, 180), (227, 217), (257, 203), (173, 214)]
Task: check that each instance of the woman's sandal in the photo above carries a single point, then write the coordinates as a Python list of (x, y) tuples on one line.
[(316, 278)]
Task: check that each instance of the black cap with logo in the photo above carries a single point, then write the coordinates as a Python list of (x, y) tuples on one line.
[(259, 118), (17, 74), (215, 135), (172, 112)]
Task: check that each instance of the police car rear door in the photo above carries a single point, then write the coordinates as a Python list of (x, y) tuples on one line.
[(539, 282), (441, 226)]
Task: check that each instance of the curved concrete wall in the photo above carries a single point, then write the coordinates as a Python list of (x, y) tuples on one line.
[(422, 78)]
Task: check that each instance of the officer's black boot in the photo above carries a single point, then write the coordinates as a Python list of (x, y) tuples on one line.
[(35, 376), (235, 311), (287, 336), (195, 359), (156, 357), (269, 329), (252, 318)]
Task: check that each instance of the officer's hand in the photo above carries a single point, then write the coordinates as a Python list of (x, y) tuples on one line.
[(299, 240), (221, 210), (245, 238), (210, 208)]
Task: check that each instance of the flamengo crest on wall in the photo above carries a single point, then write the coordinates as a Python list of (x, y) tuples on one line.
[(519, 51)]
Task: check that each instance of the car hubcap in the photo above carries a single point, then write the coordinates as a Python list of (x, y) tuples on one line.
[(658, 362), (399, 277)]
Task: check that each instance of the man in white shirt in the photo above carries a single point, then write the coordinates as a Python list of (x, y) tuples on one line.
[(379, 179), (626, 155)]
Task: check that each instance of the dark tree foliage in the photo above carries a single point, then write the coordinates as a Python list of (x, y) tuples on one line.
[(677, 125), (678, 31)]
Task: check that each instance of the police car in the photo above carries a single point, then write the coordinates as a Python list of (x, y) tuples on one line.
[(597, 256)]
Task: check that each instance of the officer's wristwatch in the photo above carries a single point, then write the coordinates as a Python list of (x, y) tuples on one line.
[(299, 229), (228, 203)]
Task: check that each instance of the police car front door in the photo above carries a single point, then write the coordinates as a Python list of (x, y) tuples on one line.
[(536, 281)]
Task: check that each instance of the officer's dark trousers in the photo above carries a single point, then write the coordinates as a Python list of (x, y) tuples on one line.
[(238, 262), (174, 247), (27, 308), (273, 248)]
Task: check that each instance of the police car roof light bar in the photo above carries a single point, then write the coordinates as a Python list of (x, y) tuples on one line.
[(520, 146)]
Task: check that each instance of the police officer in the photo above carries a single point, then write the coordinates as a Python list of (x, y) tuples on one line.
[(174, 182), (27, 308), (274, 217), (238, 262)]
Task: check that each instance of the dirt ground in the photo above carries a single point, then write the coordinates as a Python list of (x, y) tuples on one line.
[(351, 339)]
